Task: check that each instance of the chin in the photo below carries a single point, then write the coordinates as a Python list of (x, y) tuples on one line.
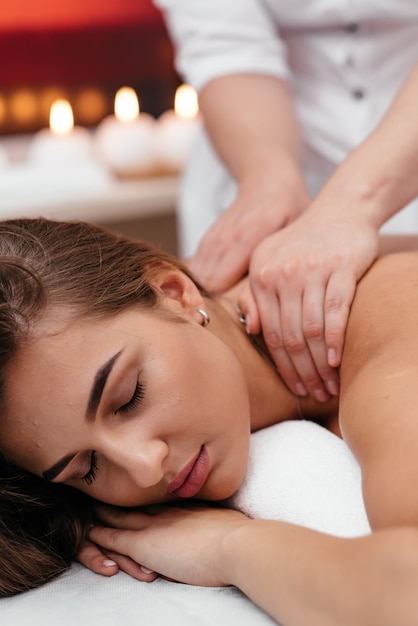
[(225, 487)]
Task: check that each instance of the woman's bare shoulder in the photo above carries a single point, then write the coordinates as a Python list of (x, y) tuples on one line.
[(384, 311), (399, 265), (388, 289)]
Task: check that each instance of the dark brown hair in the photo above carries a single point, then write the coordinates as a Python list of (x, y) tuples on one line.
[(42, 527), (96, 273)]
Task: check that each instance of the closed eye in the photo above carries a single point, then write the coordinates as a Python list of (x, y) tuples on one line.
[(91, 475), (135, 401)]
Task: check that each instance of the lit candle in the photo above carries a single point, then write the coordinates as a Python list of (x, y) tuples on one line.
[(125, 142), (62, 142), (177, 130), (58, 167)]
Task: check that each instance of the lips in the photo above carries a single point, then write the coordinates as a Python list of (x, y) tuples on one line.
[(192, 476)]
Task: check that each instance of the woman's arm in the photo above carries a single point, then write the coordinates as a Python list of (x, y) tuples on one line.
[(299, 576)]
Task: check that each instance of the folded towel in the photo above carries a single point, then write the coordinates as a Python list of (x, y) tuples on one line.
[(301, 473)]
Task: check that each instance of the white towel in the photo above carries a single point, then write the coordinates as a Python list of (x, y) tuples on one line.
[(301, 473)]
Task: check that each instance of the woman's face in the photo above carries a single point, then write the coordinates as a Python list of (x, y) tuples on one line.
[(134, 409)]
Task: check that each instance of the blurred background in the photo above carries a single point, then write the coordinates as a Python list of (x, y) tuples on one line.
[(82, 50)]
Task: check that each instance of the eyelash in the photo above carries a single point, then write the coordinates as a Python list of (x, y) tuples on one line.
[(90, 477), (133, 403)]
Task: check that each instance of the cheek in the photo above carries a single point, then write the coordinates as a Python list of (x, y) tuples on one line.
[(212, 390)]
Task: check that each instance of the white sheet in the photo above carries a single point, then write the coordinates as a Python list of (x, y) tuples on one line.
[(298, 472)]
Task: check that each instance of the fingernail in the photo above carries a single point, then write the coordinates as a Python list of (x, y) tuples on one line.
[(109, 563), (247, 325), (320, 395), (146, 570), (332, 357), (333, 387), (300, 389)]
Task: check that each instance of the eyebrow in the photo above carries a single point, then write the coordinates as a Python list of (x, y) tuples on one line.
[(94, 400), (57, 468), (98, 386)]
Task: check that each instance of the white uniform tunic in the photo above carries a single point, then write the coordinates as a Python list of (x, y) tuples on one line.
[(345, 60)]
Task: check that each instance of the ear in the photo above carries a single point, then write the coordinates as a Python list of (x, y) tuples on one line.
[(178, 292)]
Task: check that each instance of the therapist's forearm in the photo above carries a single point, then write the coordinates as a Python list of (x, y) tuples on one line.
[(380, 176), (252, 124)]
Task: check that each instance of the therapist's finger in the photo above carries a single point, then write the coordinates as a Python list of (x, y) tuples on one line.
[(297, 347), (339, 297), (212, 264), (269, 309), (219, 267), (313, 327), (218, 273)]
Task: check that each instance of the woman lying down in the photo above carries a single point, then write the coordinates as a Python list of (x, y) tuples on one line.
[(122, 381)]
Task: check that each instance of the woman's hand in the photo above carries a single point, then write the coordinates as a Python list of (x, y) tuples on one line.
[(184, 543), (302, 283), (109, 563)]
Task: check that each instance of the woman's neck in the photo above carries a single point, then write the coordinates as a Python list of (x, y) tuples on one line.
[(270, 399)]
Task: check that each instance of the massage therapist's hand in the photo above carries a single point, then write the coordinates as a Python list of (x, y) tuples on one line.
[(302, 283), (186, 544), (265, 203)]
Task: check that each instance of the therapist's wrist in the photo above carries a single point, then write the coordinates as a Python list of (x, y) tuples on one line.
[(364, 188), (279, 178), (350, 199)]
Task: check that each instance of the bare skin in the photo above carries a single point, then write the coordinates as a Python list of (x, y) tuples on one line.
[(304, 256), (301, 577)]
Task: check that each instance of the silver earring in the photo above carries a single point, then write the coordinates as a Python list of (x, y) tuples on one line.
[(205, 316)]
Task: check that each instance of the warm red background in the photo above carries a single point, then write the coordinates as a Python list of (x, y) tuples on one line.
[(33, 14), (82, 41)]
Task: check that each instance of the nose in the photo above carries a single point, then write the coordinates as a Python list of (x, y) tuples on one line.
[(143, 460)]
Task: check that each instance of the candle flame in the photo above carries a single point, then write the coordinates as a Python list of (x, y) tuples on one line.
[(185, 102), (126, 105), (61, 119)]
